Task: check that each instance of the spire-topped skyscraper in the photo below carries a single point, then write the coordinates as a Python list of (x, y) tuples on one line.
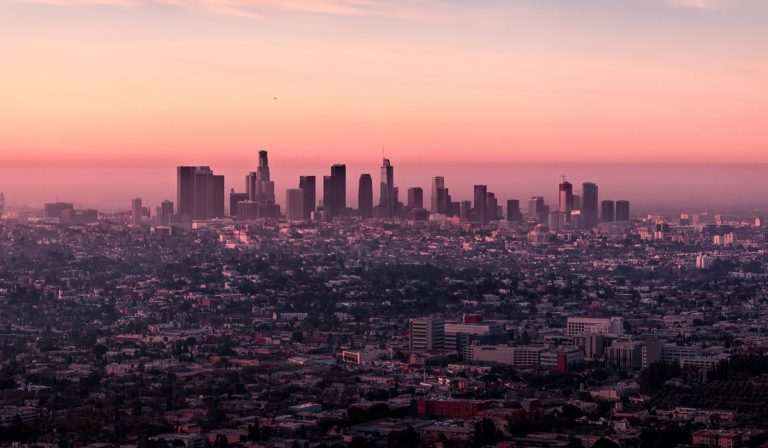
[(261, 189), (259, 186), (387, 198)]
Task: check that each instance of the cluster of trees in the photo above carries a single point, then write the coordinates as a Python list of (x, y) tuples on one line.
[(739, 366), (653, 377)]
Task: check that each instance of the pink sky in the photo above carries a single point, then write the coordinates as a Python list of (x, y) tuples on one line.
[(155, 83)]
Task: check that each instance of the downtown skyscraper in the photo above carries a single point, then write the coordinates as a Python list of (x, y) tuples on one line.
[(480, 209), (607, 211), (589, 205), (387, 198), (365, 196), (622, 210), (441, 199), (565, 199), (199, 193), (308, 185), (261, 188), (335, 191)]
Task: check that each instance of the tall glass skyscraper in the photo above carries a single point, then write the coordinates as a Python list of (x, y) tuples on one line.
[(387, 196), (589, 205), (365, 196)]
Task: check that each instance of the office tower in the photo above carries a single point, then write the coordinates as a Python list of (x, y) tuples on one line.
[(365, 196), (415, 197), (513, 211), (200, 193), (480, 210), (607, 211), (427, 334), (576, 201), (2, 205), (387, 200), (307, 184), (491, 207), (208, 200), (622, 210), (137, 211), (537, 210), (59, 210), (588, 205), (565, 198), (557, 220), (261, 188), (166, 213), (465, 210), (234, 199), (294, 204), (335, 191), (247, 210), (438, 195)]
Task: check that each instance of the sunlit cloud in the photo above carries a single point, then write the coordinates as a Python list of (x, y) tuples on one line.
[(701, 4), (422, 11)]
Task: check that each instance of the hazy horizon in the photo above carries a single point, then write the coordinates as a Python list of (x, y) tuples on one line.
[(650, 187)]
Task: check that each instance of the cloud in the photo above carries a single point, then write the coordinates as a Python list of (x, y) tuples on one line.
[(701, 4), (426, 9)]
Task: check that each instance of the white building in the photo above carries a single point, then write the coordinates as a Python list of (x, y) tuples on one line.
[(595, 325), (427, 334)]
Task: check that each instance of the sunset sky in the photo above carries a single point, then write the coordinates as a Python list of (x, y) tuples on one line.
[(157, 83), (92, 88)]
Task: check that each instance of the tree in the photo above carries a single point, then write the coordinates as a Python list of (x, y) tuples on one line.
[(407, 438), (99, 350), (221, 441), (605, 443), (485, 433)]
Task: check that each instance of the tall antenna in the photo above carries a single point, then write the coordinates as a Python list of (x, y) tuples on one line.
[(563, 176)]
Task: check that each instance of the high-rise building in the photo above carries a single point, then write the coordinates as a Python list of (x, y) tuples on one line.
[(166, 213), (589, 201), (387, 200), (491, 206), (465, 210), (261, 188), (513, 211), (427, 334), (308, 185), (294, 204), (234, 199), (335, 191), (415, 197), (565, 198), (365, 196), (622, 210), (538, 211), (438, 195), (607, 211), (247, 211), (2, 204), (59, 210), (200, 193), (480, 210), (137, 211)]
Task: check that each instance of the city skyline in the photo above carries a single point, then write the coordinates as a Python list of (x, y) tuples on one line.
[(651, 188)]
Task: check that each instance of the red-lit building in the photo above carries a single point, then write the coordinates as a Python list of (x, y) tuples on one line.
[(456, 409)]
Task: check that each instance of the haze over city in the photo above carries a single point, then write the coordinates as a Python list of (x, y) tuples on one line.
[(383, 224), (148, 85)]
